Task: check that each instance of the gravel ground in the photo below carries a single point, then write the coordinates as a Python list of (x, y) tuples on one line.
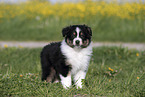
[(137, 46)]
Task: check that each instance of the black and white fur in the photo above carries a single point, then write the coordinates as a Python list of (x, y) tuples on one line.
[(67, 58)]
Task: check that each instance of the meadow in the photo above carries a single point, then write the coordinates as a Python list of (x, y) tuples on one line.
[(113, 72), (43, 21)]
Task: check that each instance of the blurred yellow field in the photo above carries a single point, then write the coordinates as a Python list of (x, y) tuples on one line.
[(70, 10), (43, 20)]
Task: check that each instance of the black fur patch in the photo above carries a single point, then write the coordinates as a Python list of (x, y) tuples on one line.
[(53, 62)]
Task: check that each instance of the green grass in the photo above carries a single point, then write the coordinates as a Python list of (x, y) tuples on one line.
[(49, 29), (20, 74)]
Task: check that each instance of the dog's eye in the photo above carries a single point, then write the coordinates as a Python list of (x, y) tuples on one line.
[(81, 34), (74, 33)]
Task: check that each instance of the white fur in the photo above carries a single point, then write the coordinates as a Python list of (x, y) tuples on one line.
[(78, 78), (79, 59), (66, 81), (78, 37)]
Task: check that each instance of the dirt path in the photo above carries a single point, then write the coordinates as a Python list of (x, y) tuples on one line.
[(138, 46)]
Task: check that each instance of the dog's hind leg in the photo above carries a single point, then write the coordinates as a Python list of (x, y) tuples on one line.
[(48, 71), (56, 78), (51, 75)]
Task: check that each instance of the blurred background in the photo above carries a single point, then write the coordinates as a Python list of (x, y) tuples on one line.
[(43, 20)]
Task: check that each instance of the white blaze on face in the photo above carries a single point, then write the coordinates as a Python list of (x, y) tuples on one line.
[(78, 37)]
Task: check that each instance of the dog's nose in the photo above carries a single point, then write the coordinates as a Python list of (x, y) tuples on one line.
[(77, 42)]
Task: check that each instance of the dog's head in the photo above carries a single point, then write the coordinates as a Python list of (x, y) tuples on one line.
[(77, 35)]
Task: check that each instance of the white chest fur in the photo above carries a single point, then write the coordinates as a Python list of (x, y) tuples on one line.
[(77, 57)]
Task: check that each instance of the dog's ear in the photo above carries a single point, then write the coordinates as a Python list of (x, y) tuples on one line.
[(65, 31), (88, 30)]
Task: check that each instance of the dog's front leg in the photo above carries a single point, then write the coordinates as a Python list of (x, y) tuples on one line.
[(78, 77), (66, 81)]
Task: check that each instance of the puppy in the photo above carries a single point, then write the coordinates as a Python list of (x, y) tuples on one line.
[(70, 57)]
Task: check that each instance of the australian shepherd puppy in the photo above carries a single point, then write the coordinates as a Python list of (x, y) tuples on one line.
[(70, 57)]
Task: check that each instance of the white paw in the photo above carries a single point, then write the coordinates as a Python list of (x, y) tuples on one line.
[(57, 81), (66, 81)]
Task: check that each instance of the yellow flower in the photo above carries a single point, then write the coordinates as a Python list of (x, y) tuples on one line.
[(110, 69), (21, 75), (137, 77), (20, 46), (137, 54), (5, 46), (109, 80), (33, 8), (119, 57)]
